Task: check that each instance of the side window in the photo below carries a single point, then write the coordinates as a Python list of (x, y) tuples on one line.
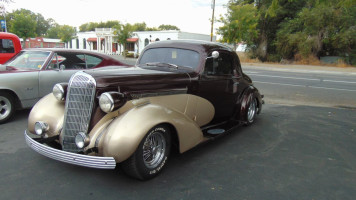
[(91, 61), (223, 65), (6, 46), (55, 62)]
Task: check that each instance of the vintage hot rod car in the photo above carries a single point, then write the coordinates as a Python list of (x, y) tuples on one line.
[(180, 94)]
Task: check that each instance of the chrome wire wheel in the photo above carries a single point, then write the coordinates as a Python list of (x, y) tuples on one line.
[(5, 108), (251, 112), (154, 149)]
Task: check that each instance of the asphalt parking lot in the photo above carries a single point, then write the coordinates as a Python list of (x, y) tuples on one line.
[(291, 152)]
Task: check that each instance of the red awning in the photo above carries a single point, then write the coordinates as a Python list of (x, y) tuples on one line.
[(132, 39), (93, 39)]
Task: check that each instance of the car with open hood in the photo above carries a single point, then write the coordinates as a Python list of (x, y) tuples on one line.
[(180, 94), (32, 73)]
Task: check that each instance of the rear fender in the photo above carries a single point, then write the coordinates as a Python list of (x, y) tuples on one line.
[(249, 94), (124, 133)]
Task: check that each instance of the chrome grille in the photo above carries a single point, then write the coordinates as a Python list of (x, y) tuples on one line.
[(78, 109)]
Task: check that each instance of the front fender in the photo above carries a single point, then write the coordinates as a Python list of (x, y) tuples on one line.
[(49, 110), (126, 132)]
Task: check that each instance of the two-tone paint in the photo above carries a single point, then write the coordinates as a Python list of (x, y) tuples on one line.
[(189, 102)]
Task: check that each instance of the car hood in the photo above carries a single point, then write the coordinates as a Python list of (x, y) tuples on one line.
[(7, 69), (136, 79)]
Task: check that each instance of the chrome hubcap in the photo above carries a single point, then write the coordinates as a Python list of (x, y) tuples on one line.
[(5, 107), (154, 149), (251, 111)]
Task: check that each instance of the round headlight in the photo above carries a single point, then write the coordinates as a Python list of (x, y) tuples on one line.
[(59, 91), (82, 140), (106, 102), (41, 128)]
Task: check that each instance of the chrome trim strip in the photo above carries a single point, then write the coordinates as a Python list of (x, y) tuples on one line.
[(71, 158), (159, 93)]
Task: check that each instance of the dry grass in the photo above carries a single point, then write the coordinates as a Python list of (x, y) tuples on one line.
[(298, 60)]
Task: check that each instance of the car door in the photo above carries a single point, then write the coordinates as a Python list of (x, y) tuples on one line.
[(219, 84), (58, 70)]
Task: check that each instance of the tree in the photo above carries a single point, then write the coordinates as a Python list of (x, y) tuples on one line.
[(325, 28), (168, 27), (123, 32), (23, 24), (21, 21), (91, 26), (239, 24), (66, 33)]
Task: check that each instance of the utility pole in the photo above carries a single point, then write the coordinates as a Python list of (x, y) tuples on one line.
[(212, 20)]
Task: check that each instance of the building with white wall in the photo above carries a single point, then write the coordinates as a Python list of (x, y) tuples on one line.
[(103, 40)]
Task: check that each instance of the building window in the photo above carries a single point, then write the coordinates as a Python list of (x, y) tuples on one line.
[(130, 46), (71, 44), (146, 41), (84, 43), (77, 41)]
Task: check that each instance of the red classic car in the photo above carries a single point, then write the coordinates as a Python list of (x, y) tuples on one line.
[(180, 94)]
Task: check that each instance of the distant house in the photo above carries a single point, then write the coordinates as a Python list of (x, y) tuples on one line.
[(40, 42), (103, 40)]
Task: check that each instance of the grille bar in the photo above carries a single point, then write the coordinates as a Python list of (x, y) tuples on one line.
[(78, 109)]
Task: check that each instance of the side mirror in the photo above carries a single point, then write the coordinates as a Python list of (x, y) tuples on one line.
[(62, 67), (214, 55)]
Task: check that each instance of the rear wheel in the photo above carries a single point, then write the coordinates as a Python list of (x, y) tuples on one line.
[(7, 107), (151, 154), (251, 112)]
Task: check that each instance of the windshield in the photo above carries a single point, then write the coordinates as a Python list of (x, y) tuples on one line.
[(29, 59), (175, 56)]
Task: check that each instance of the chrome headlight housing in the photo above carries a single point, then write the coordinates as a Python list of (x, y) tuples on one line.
[(60, 91), (41, 128), (108, 101), (82, 140)]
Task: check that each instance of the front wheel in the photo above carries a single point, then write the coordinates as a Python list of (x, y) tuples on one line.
[(151, 154), (7, 107)]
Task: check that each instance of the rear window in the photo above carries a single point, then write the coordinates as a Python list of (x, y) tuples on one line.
[(180, 57), (6, 46)]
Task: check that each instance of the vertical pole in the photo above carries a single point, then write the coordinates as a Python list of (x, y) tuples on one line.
[(212, 21)]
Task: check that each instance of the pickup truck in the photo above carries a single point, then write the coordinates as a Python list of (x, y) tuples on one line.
[(10, 45)]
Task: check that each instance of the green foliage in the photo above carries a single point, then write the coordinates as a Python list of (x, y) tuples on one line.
[(286, 28), (63, 32), (123, 32), (239, 24), (91, 26), (168, 27), (25, 23), (22, 23), (327, 28), (66, 33)]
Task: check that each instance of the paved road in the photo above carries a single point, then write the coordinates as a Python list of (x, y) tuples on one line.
[(292, 152), (319, 88)]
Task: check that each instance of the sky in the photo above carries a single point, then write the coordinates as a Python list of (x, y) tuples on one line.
[(188, 15)]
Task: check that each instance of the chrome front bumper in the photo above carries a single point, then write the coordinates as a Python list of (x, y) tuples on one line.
[(71, 158)]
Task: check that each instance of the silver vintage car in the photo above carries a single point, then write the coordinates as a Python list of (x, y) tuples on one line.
[(32, 73)]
